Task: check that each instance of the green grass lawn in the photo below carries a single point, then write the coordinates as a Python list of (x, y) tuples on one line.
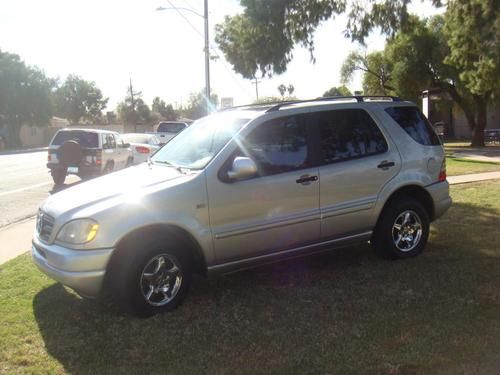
[(457, 166), (345, 312)]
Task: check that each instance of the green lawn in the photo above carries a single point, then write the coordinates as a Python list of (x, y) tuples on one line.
[(458, 166), (346, 312)]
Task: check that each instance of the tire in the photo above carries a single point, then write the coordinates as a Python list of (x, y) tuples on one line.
[(130, 161), (402, 229), (108, 168), (58, 175), (70, 153), (142, 286)]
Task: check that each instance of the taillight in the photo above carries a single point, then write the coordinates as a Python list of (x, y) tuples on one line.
[(442, 172), (98, 157), (142, 150), (49, 157)]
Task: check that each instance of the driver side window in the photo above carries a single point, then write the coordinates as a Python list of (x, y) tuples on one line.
[(278, 146)]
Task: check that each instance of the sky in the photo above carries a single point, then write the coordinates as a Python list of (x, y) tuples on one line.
[(112, 41)]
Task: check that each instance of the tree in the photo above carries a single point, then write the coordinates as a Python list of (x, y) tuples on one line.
[(290, 89), (376, 68), (337, 91), (78, 99), (164, 111), (282, 90), (263, 36), (197, 105), (133, 110), (25, 96), (472, 28)]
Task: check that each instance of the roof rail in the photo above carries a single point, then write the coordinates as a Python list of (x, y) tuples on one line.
[(358, 98)]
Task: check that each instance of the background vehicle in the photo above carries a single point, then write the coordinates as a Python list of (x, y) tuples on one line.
[(142, 145), (86, 153), (167, 130), (245, 187)]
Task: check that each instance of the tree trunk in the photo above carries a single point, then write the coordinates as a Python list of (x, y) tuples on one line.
[(482, 110)]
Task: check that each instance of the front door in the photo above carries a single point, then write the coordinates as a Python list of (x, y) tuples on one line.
[(274, 210)]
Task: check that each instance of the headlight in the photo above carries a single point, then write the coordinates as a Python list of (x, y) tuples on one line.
[(78, 231)]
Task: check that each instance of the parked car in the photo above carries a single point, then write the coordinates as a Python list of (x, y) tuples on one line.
[(86, 153), (166, 130), (492, 136), (142, 145), (244, 187)]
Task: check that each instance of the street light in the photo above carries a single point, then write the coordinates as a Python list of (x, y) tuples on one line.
[(207, 51)]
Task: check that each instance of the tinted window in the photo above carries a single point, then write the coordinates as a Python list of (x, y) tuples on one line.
[(85, 139), (415, 124), (278, 145), (171, 127), (348, 134), (108, 141)]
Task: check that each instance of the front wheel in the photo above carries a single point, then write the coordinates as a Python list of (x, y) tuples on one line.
[(402, 230), (152, 280)]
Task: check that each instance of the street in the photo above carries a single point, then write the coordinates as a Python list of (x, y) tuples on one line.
[(25, 182)]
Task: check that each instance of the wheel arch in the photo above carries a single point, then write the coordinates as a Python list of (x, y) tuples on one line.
[(163, 232), (415, 191)]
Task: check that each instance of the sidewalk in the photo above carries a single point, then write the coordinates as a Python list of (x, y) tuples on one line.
[(23, 150), (15, 239)]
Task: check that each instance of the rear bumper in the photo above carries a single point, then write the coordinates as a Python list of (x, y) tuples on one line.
[(81, 270), (440, 193), (85, 170)]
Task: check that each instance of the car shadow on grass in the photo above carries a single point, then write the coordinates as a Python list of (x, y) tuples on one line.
[(342, 311)]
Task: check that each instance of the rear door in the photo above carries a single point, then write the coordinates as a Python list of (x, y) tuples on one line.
[(356, 161)]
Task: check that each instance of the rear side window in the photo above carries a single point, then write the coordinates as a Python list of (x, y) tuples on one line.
[(170, 127), (85, 139), (348, 134), (415, 124)]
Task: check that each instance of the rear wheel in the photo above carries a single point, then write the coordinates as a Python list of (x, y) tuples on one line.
[(58, 175), (151, 279), (402, 230), (108, 168)]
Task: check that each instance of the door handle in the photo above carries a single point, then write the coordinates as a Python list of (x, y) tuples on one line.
[(386, 164), (306, 179)]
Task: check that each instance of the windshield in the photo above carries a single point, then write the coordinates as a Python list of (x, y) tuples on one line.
[(171, 127), (198, 144)]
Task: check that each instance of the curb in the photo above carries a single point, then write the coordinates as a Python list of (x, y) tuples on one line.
[(23, 151)]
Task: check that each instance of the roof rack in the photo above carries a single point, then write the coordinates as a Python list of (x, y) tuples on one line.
[(358, 98)]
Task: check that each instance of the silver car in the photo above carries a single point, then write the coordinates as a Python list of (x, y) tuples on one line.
[(244, 187)]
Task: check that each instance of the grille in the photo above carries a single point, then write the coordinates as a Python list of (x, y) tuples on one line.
[(44, 225)]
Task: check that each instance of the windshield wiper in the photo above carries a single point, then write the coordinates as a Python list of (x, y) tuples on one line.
[(169, 164)]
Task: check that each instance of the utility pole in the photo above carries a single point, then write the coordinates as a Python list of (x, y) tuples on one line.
[(134, 117), (207, 59), (256, 83)]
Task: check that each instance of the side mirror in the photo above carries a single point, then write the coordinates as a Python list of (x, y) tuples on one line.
[(242, 169)]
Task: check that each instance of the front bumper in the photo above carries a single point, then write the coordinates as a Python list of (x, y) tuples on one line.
[(81, 270)]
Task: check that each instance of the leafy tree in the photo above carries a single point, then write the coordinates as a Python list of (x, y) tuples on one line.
[(472, 28), (263, 36), (376, 68), (25, 96), (282, 90), (78, 99), (165, 111), (197, 105), (337, 91), (290, 89), (133, 110)]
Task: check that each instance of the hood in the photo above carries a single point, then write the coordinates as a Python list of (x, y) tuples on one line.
[(133, 180)]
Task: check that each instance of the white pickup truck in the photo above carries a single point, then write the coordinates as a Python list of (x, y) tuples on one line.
[(167, 130)]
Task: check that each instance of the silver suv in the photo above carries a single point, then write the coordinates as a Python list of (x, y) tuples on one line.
[(244, 187), (86, 153)]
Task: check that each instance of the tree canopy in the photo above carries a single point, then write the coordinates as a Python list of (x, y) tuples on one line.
[(197, 105), (337, 91), (25, 95), (78, 99)]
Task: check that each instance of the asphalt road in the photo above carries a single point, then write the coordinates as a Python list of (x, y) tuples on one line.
[(24, 183)]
